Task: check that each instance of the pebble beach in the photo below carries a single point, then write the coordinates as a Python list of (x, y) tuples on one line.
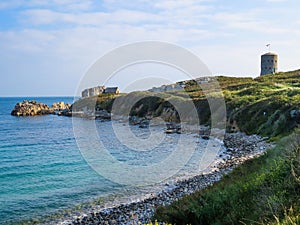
[(238, 147)]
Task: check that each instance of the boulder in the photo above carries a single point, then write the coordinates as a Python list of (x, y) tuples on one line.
[(102, 114), (60, 106), (65, 112), (170, 115)]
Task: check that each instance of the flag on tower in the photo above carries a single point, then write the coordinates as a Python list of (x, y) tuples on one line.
[(267, 45)]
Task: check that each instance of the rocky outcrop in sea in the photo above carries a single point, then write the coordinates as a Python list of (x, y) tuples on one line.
[(60, 106), (34, 108)]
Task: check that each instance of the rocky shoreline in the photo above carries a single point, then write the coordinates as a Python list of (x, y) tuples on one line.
[(238, 148)]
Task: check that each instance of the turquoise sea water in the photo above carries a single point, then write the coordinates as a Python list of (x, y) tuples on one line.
[(42, 170)]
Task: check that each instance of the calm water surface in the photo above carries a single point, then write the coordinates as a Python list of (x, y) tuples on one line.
[(42, 170)]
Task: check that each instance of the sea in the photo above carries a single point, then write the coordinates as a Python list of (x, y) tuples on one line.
[(44, 172)]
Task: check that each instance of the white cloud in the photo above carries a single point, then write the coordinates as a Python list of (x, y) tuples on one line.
[(10, 4), (64, 5), (175, 4), (251, 21), (46, 17), (277, 1), (69, 35)]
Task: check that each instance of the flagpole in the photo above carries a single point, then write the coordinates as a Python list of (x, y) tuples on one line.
[(269, 46)]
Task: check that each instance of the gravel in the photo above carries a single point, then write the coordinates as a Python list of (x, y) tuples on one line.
[(238, 148)]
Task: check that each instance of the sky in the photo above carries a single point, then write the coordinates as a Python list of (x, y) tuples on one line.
[(47, 46)]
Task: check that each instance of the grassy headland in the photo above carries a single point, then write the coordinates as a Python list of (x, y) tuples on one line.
[(265, 190), (262, 106)]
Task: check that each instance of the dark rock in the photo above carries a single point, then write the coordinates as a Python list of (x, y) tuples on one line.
[(205, 137), (66, 112), (103, 115)]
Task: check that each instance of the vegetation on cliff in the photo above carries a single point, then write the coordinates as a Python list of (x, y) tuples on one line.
[(265, 190), (268, 105)]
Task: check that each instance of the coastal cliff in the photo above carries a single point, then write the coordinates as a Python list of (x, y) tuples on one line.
[(268, 105), (263, 190), (252, 189)]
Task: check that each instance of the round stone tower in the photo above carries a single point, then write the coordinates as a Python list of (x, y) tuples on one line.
[(269, 64)]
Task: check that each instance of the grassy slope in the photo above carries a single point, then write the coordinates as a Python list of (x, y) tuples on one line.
[(259, 105), (263, 105), (264, 190), (261, 191)]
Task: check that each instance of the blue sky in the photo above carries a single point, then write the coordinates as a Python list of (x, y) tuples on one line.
[(47, 46)]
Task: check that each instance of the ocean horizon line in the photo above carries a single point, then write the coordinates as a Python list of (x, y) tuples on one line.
[(41, 96)]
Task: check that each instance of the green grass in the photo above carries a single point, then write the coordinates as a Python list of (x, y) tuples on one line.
[(265, 190), (261, 191), (260, 105)]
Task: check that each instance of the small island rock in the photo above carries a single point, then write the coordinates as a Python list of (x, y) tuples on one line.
[(31, 108)]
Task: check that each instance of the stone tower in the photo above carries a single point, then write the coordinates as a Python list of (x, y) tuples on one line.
[(269, 64)]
